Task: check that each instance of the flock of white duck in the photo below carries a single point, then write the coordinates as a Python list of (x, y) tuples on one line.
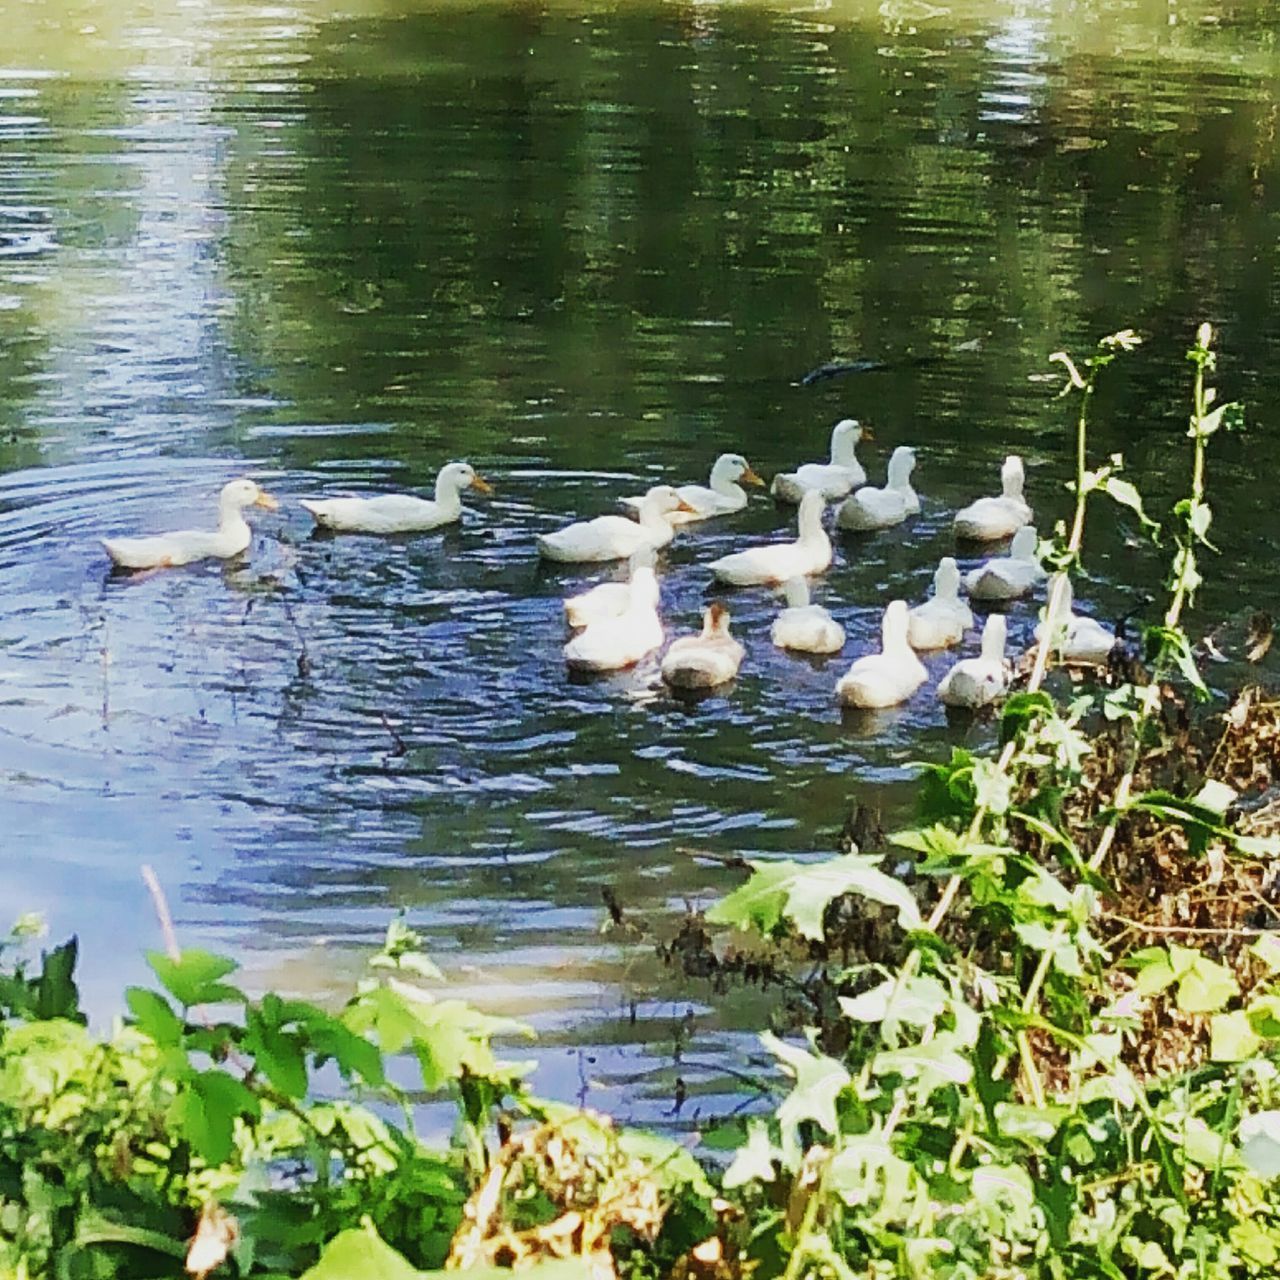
[(618, 624)]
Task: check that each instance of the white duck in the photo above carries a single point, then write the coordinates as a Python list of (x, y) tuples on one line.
[(720, 495), (889, 677), (1011, 576), (974, 682), (879, 508), (944, 618), (608, 599), (615, 643), (810, 553), (705, 660), (805, 627), (1076, 638), (400, 512), (616, 537), (231, 537), (990, 519), (832, 479)]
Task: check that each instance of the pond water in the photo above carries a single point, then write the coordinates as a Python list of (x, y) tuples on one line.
[(585, 248)]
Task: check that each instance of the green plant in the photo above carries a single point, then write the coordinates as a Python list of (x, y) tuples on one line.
[(114, 1150), (997, 1104)]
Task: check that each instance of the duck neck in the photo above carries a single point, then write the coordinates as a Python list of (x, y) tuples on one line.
[(449, 493), (652, 516), (1012, 479), (811, 529), (900, 473), (644, 588), (843, 444), (993, 636), (893, 633), (231, 516), (946, 582), (1060, 601), (723, 481)]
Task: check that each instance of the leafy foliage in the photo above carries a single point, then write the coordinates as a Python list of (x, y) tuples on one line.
[(994, 1109), (113, 1151)]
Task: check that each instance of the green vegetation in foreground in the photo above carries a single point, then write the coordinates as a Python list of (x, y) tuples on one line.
[(991, 1090)]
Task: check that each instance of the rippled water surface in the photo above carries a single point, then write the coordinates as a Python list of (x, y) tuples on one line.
[(586, 249)]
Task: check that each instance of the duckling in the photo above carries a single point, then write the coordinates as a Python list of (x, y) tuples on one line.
[(1011, 576), (805, 627), (165, 550), (400, 512), (889, 677), (810, 553), (1076, 638), (607, 599), (975, 682), (942, 620), (705, 660), (616, 537), (990, 519), (721, 494), (832, 479), (614, 643), (879, 508)]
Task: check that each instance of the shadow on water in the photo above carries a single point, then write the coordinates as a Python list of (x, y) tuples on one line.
[(586, 257)]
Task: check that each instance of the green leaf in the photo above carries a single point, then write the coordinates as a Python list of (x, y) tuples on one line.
[(1127, 495), (1258, 1242), (277, 1054), (917, 1001), (992, 1089), (1211, 421), (815, 888), (358, 1254), (1204, 986), (1260, 1142), (819, 1081), (1267, 949), (194, 977), (754, 1161), (1021, 710), (1264, 1015), (1167, 644), (56, 995), (760, 903), (669, 1164), (1147, 1255), (154, 1016), (1155, 970), (1007, 1198), (354, 1055), (1200, 1144), (866, 1173), (1201, 821), (946, 790), (1232, 1037), (1042, 937), (449, 1037), (207, 1110), (1198, 516), (930, 1066), (801, 892), (1037, 1124), (992, 787)]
